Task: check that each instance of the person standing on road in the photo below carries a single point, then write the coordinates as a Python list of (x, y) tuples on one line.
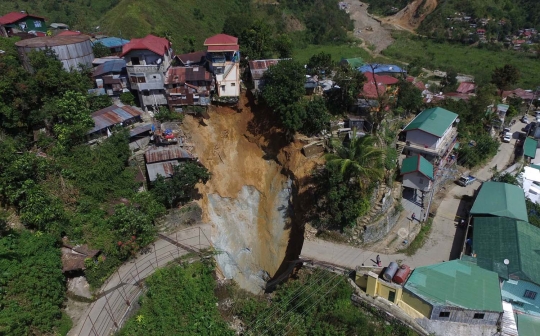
[(378, 259), (413, 216)]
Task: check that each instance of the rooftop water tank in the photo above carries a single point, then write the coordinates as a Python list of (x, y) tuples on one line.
[(401, 275), (390, 271), (71, 50)]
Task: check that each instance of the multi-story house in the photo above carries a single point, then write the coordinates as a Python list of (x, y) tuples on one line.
[(147, 61), (188, 86), (432, 134), (223, 56), (16, 22)]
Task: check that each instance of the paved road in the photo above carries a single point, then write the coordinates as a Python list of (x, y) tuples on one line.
[(110, 309), (445, 241)]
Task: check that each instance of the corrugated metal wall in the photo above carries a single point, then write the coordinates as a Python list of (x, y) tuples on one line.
[(71, 55)]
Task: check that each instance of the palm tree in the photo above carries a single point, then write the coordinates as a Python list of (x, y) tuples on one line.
[(358, 160)]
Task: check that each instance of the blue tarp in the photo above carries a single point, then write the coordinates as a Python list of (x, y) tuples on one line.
[(378, 68), (114, 66), (111, 42)]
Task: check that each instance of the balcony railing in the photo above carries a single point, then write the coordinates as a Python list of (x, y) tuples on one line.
[(439, 151)]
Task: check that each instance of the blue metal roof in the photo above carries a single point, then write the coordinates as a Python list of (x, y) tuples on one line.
[(378, 68), (111, 42), (114, 66)]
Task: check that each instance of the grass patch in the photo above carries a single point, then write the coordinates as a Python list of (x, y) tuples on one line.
[(465, 59), (338, 52), (332, 236), (419, 240)]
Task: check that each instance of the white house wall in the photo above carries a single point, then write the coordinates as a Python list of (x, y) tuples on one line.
[(416, 180), (229, 86), (423, 139)]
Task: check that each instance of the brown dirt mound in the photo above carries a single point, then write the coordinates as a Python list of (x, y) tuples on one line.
[(410, 17)]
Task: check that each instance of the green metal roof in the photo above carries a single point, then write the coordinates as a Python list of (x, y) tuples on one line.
[(434, 121), (528, 325), (529, 148), (496, 239), (457, 283), (354, 62), (417, 163), (502, 200), (535, 166)]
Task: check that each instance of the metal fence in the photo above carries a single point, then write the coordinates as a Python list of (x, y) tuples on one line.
[(117, 295)]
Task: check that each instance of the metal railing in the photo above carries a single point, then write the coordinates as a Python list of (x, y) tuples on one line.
[(114, 301)]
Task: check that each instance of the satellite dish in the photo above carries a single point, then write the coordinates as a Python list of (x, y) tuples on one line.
[(506, 261), (159, 61)]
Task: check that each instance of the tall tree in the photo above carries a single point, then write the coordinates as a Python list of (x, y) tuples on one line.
[(358, 160), (505, 77), (348, 84), (409, 97), (320, 64)]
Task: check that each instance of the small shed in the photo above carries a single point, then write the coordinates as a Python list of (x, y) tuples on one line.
[(529, 148), (73, 256)]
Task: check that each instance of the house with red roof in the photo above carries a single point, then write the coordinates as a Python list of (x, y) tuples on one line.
[(147, 61), (223, 55), (16, 22)]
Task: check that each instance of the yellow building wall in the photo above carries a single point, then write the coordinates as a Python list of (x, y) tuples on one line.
[(414, 306), (361, 280)]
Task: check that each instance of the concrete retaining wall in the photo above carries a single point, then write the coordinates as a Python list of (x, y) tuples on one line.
[(380, 228)]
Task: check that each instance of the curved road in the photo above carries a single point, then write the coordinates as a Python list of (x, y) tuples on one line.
[(107, 313)]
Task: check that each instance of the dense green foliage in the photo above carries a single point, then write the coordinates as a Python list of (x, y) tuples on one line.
[(347, 182), (477, 62), (179, 187), (317, 303), (533, 210), (31, 284), (180, 301), (386, 7), (409, 97)]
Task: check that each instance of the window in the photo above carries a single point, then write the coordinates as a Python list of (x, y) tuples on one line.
[(37, 24), (530, 294), (223, 88), (444, 314), (133, 79), (135, 61), (478, 316), (141, 79), (421, 181), (233, 84)]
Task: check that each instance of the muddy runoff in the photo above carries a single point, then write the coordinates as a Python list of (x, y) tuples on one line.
[(247, 200)]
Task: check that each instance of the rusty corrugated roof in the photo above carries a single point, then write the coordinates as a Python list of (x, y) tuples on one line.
[(258, 67), (160, 154), (164, 169), (112, 115)]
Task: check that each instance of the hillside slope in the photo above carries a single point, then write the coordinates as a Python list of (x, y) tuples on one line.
[(178, 20)]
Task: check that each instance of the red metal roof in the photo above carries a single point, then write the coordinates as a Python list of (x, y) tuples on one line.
[(223, 48), (387, 80), (370, 90), (68, 33), (158, 45), (221, 39), (16, 16), (466, 87), (420, 85), (410, 79), (258, 67)]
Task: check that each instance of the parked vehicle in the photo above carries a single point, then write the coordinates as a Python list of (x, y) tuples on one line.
[(466, 180), (507, 137), (525, 119)]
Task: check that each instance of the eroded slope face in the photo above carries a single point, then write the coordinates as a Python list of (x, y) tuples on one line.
[(247, 199)]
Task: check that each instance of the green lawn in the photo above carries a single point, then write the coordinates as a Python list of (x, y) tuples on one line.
[(338, 52), (469, 60)]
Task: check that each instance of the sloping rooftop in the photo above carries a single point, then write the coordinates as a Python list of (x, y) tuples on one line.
[(501, 200), (378, 68), (372, 91), (417, 163), (496, 239), (181, 75), (158, 45), (165, 169), (52, 41), (113, 66), (528, 325), (355, 62), (384, 79), (466, 87), (16, 16), (111, 42), (197, 57), (457, 283), (221, 39), (433, 121), (68, 33), (529, 147), (159, 154), (112, 115), (259, 67)]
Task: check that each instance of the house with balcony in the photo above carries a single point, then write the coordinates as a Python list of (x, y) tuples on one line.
[(147, 61), (223, 55), (417, 173), (188, 86), (432, 134)]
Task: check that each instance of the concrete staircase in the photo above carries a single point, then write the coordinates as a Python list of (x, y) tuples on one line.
[(374, 211), (400, 146)]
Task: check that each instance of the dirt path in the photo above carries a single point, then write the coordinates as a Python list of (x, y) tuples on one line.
[(410, 17), (376, 40)]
